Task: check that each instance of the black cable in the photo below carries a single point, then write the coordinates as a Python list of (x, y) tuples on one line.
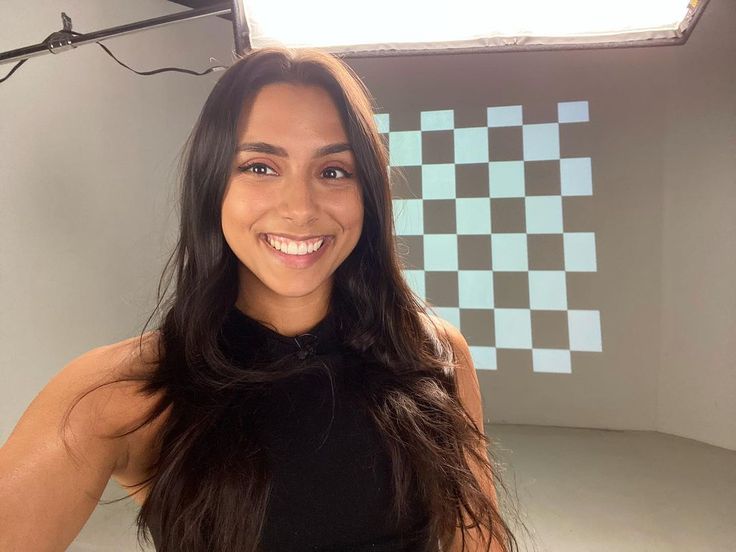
[(155, 71), (164, 69), (13, 70), (143, 73), (21, 62)]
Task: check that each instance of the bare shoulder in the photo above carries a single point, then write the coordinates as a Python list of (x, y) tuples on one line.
[(62, 452), (132, 355), (465, 372), (454, 336), (127, 363), (135, 357), (111, 376), (129, 358)]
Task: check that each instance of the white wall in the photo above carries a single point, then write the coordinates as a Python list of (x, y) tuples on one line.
[(87, 180), (697, 378)]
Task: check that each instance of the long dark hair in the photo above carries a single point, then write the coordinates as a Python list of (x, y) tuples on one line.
[(210, 471)]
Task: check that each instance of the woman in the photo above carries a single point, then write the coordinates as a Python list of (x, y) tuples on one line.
[(296, 395)]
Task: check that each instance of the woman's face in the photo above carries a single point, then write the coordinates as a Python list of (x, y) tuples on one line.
[(293, 180)]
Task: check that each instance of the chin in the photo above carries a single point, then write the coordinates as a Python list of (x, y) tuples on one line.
[(299, 287)]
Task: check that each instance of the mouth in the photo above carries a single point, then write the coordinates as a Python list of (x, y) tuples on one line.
[(308, 243), (295, 259)]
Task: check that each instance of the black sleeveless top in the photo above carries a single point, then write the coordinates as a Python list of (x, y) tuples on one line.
[(331, 478)]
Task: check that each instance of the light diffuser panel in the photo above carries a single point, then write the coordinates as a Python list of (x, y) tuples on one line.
[(377, 25)]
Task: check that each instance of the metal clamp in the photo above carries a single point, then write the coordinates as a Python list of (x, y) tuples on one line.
[(61, 41)]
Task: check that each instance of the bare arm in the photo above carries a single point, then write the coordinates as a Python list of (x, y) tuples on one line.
[(46, 494), (470, 396)]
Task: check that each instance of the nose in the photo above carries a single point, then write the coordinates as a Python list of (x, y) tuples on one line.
[(298, 200)]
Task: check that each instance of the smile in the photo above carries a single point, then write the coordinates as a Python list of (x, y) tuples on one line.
[(297, 254), (293, 247)]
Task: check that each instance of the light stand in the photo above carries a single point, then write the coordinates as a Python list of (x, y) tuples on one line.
[(64, 40)]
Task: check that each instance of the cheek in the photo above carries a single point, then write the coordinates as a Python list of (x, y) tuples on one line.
[(353, 209), (360, 212), (237, 215), (358, 218), (241, 208)]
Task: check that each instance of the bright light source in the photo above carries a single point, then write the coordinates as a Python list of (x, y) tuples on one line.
[(433, 24)]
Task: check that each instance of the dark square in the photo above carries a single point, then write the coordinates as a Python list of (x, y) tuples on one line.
[(534, 113), (471, 180), (517, 360), (577, 214), (439, 216), (405, 182), (474, 252), (545, 252), (404, 119), (542, 178), (511, 290), (575, 140), (438, 146), (411, 252), (549, 330), (505, 144), (470, 116), (441, 288), (477, 327), (508, 215)]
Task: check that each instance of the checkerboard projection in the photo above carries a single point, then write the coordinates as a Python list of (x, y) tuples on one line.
[(479, 226)]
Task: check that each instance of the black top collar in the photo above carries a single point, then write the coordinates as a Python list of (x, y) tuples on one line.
[(246, 333)]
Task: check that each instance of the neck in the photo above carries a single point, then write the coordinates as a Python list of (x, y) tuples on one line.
[(288, 316)]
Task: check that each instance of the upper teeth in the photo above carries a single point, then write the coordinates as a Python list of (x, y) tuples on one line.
[(294, 247)]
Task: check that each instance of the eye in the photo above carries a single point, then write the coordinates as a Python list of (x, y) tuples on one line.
[(259, 172), (246, 168), (332, 169)]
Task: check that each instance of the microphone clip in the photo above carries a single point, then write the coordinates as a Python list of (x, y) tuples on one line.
[(307, 344)]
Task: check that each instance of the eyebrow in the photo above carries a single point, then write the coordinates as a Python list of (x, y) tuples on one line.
[(263, 147)]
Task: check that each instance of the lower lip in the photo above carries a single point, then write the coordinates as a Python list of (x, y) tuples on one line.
[(298, 261)]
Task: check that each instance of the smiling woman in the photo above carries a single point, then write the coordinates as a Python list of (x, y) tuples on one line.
[(304, 188), (297, 394)]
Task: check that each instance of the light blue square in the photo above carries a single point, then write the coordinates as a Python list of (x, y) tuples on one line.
[(579, 251), (572, 112), (382, 121), (475, 289), (450, 314), (506, 178), (547, 290), (509, 252), (576, 176), (471, 145), (405, 148), (437, 120), (552, 361), (504, 116), (513, 328), (541, 142), (543, 214), (473, 215), (408, 217), (438, 181), (584, 328), (484, 358), (416, 281), (440, 252)]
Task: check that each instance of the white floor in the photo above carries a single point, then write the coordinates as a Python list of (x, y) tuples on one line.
[(579, 490)]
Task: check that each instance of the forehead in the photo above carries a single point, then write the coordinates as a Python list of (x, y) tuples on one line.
[(291, 109)]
